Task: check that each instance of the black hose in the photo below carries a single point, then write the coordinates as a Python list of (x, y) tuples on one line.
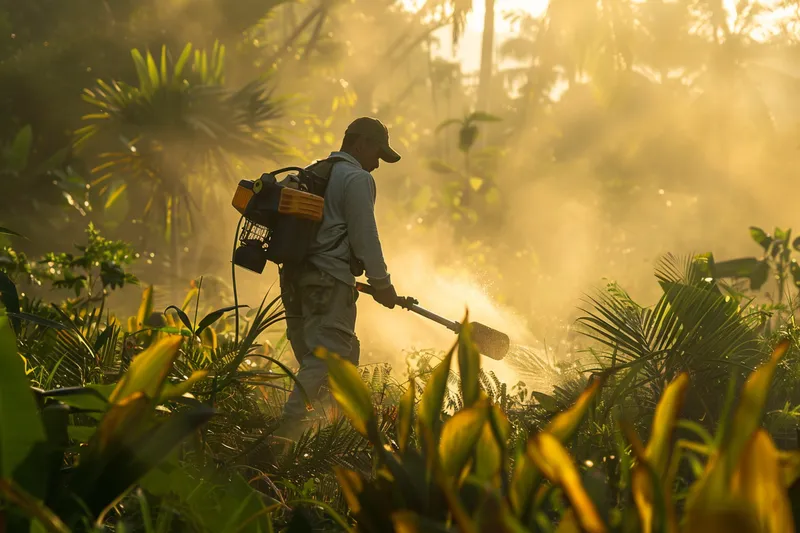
[(233, 281)]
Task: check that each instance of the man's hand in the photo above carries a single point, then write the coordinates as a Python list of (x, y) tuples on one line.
[(386, 296)]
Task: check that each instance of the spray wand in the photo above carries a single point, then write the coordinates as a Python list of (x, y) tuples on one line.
[(490, 342)]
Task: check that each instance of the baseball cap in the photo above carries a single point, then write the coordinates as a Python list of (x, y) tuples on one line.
[(375, 130)]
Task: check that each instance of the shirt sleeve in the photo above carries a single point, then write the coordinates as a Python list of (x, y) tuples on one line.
[(362, 229)]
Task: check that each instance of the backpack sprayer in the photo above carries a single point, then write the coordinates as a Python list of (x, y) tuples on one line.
[(280, 224)]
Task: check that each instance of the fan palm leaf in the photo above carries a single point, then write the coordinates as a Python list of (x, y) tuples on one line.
[(692, 328), (178, 124)]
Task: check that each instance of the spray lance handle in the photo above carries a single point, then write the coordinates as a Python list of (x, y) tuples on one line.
[(406, 302), (490, 342)]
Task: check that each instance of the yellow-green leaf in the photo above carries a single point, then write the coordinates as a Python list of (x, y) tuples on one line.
[(747, 417), (123, 418), (352, 486), (189, 300), (152, 71), (352, 394), (177, 72), (459, 436), (564, 425), (164, 79), (145, 307), (405, 417), (524, 479), (557, 465), (660, 444), (758, 480), (141, 70), (148, 371), (433, 396), (488, 458), (468, 364), (21, 427), (176, 390), (492, 445), (712, 491), (790, 467)]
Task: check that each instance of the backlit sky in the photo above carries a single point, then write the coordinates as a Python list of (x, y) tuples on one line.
[(469, 49)]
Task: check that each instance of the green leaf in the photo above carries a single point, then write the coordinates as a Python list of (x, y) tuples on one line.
[(163, 79), (467, 137), (794, 268), (352, 395), (81, 433), (104, 337), (761, 237), (212, 317), (459, 437), (433, 397), (10, 299), (148, 371), (141, 71), (759, 277), (89, 398), (152, 72), (126, 447), (480, 116), (468, 364), (182, 315), (6, 231), (405, 417), (20, 424), (447, 123), (440, 167), (115, 194), (177, 72), (796, 243), (16, 157), (32, 507), (736, 268), (547, 402)]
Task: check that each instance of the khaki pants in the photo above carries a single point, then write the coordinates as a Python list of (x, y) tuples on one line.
[(320, 311)]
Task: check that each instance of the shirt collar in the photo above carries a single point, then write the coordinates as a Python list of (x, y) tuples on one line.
[(348, 157)]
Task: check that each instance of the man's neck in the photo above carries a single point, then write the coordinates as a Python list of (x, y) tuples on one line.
[(353, 156)]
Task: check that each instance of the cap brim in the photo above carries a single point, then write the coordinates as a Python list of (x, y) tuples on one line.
[(389, 155)]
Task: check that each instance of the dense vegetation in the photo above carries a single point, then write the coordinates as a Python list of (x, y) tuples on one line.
[(138, 394)]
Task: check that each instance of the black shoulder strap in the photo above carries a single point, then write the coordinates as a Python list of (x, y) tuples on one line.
[(325, 165)]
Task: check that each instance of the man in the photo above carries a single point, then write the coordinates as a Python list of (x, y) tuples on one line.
[(320, 296)]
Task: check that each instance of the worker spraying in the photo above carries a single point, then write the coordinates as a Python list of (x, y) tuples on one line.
[(318, 225), (319, 294)]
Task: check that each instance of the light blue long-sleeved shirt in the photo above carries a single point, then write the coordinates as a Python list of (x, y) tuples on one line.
[(349, 220)]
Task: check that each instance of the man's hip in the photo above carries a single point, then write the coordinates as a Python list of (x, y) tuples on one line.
[(320, 310)]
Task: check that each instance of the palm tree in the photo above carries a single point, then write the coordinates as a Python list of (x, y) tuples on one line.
[(160, 142), (692, 328), (487, 57)]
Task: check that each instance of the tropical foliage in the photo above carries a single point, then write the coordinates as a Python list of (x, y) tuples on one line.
[(140, 391)]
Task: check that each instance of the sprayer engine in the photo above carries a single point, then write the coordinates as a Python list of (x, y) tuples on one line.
[(279, 218)]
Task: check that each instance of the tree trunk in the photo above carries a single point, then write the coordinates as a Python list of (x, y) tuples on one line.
[(487, 58)]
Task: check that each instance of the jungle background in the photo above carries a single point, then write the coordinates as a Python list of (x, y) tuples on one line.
[(555, 155)]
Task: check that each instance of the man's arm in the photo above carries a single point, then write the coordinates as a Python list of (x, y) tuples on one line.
[(362, 229)]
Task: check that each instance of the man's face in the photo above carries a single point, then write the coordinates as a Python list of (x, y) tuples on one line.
[(368, 154)]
